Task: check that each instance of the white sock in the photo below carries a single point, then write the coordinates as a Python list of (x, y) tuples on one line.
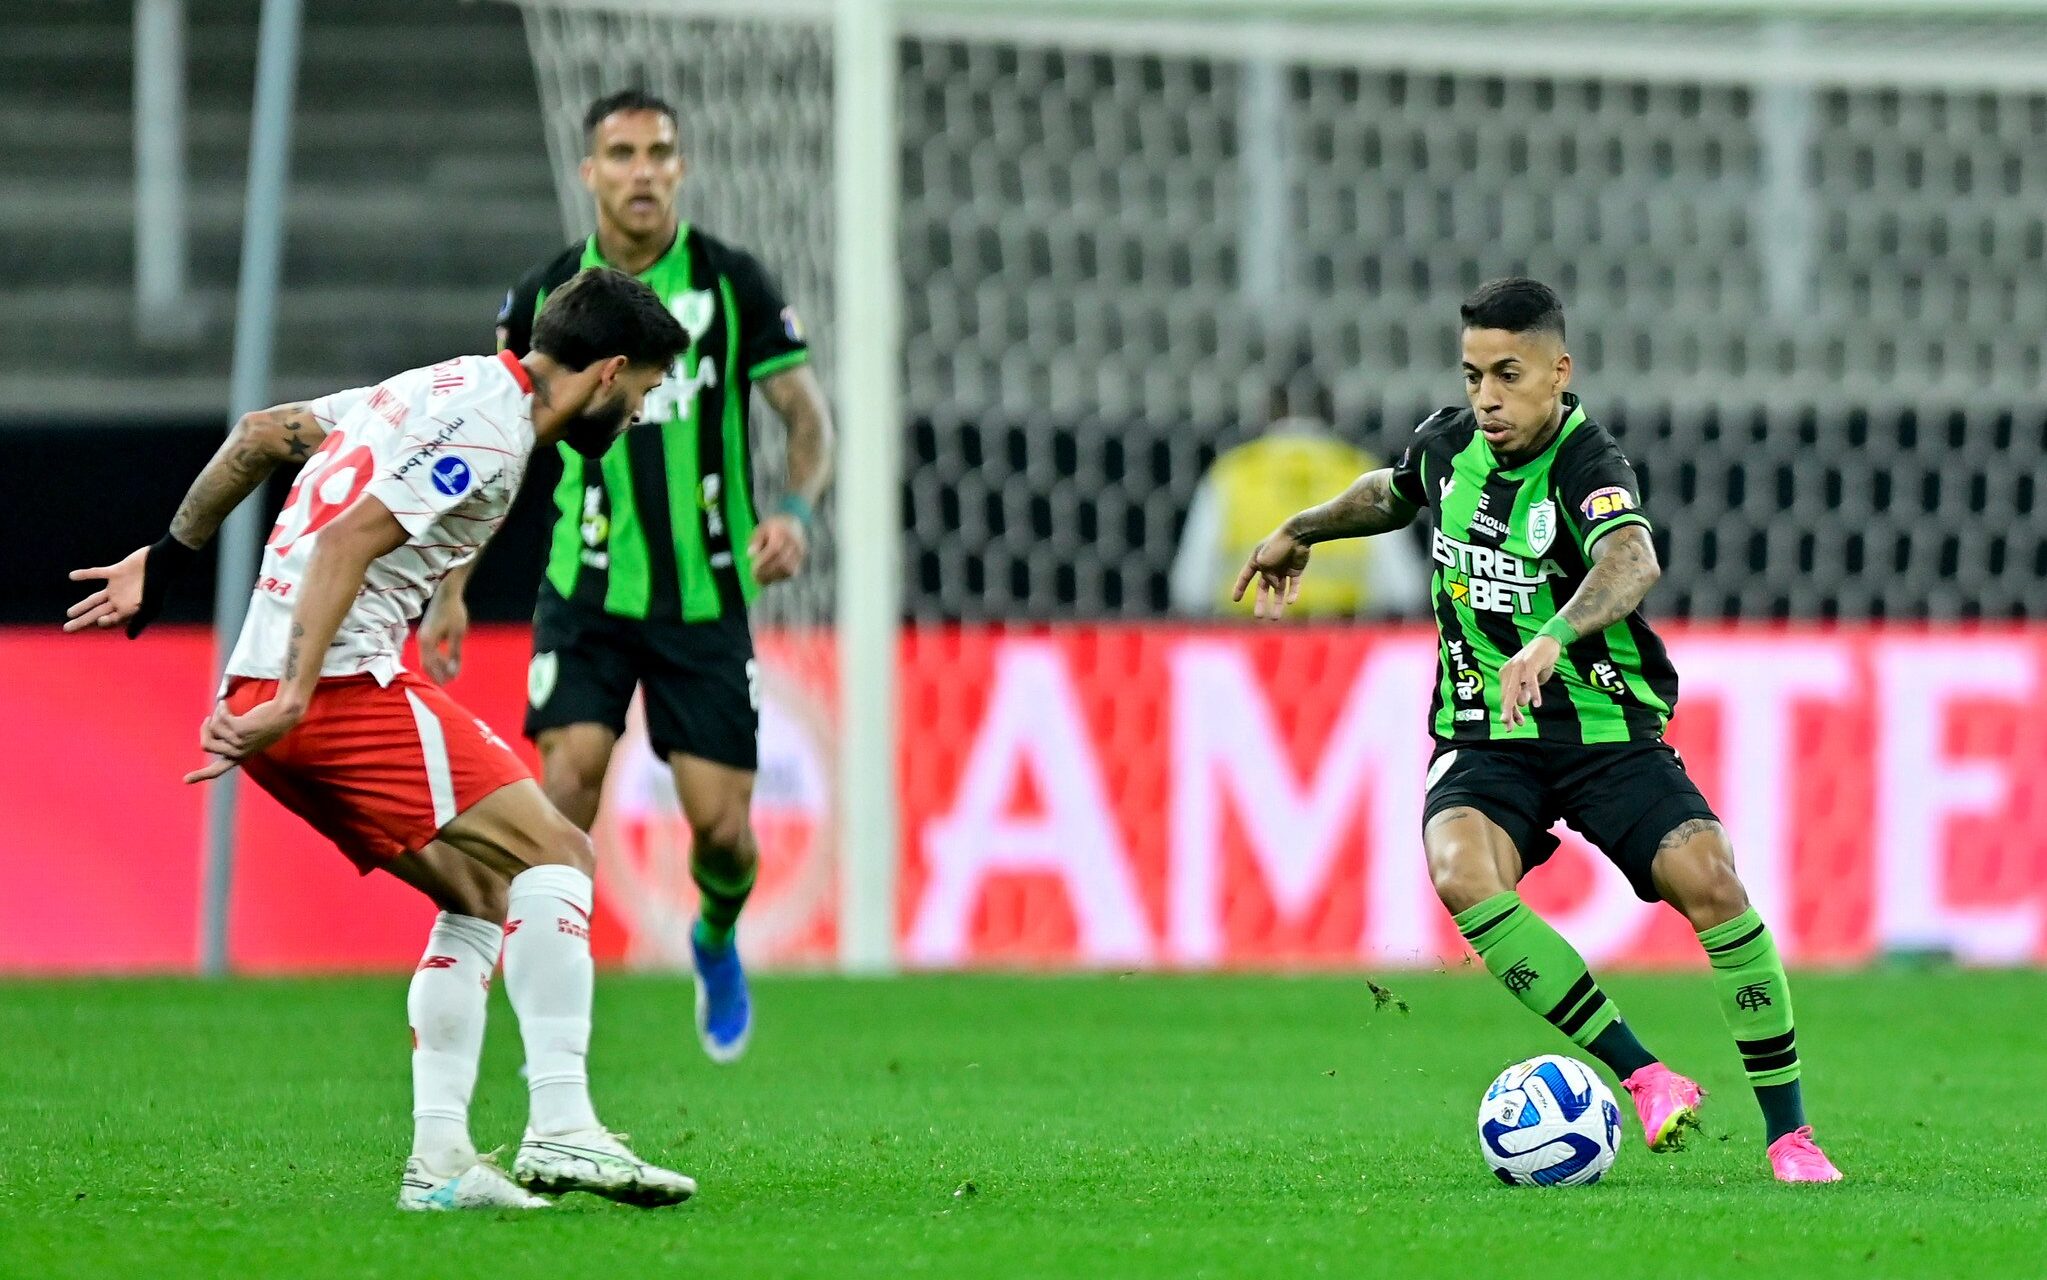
[(548, 976), (446, 1006)]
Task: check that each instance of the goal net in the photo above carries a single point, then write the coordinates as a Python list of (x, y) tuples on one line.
[(1802, 245)]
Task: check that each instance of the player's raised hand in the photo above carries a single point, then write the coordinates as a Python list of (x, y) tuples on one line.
[(135, 587), (778, 548), (1521, 680), (1277, 564), (440, 636), (116, 602)]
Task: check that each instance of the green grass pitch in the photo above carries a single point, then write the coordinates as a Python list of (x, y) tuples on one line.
[(1009, 1127)]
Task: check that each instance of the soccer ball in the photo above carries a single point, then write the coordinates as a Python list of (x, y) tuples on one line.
[(1549, 1122)]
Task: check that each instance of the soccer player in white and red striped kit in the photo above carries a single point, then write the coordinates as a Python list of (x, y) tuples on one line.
[(404, 482)]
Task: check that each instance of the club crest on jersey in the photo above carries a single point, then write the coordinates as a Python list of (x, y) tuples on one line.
[(452, 476), (693, 312), (1542, 526)]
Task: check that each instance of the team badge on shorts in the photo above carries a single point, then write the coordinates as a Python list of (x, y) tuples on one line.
[(1542, 526), (1438, 769), (540, 678)]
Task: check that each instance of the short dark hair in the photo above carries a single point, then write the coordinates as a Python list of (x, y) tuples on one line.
[(624, 100), (601, 313), (1517, 305)]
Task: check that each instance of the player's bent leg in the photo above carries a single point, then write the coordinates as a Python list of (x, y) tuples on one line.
[(1694, 871), (446, 1008), (717, 800), (455, 882), (550, 982), (573, 762), (516, 829), (1474, 865)]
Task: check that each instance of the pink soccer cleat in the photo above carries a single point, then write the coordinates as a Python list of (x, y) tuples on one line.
[(1668, 1104), (1795, 1157)]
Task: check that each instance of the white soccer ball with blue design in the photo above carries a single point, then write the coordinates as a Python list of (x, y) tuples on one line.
[(1549, 1122)]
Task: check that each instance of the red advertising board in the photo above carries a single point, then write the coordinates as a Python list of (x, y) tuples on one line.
[(1132, 795)]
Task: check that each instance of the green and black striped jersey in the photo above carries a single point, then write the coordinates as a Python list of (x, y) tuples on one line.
[(658, 528), (1511, 545)]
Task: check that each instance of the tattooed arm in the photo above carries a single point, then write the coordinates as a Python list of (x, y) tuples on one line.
[(260, 441), (1623, 569), (782, 540), (1369, 506), (135, 587)]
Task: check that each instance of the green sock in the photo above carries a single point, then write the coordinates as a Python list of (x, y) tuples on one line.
[(1755, 998), (719, 903), (1548, 975)]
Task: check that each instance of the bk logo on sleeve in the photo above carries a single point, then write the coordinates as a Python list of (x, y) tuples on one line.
[(1610, 501)]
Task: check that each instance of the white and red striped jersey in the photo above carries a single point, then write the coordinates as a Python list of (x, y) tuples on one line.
[(443, 448)]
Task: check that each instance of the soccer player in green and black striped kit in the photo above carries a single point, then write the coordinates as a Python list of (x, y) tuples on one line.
[(1551, 700), (658, 548)]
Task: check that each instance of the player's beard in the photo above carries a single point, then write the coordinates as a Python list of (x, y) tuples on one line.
[(592, 432)]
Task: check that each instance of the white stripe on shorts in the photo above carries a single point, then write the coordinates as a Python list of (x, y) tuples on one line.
[(433, 744)]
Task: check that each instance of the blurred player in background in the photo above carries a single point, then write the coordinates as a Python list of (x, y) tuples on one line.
[(1543, 553), (1256, 485), (657, 551), (403, 484)]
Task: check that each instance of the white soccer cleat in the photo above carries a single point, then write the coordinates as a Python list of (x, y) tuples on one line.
[(481, 1186), (597, 1161)]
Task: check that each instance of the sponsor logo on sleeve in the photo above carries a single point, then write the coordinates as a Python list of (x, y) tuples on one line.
[(792, 328), (452, 476), (505, 311), (1610, 501)]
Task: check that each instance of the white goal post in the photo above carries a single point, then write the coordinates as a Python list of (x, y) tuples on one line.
[(1057, 143)]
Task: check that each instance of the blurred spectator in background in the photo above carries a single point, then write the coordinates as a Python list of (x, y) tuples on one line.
[(1296, 462)]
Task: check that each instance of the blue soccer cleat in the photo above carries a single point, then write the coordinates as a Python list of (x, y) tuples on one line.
[(724, 1010)]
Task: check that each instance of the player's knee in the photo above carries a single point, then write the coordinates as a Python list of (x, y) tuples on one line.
[(572, 772), (1464, 876), (562, 844), (724, 839), (1697, 876), (1711, 900), (577, 849)]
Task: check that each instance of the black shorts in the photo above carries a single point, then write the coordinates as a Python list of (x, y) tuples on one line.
[(700, 679), (1624, 797)]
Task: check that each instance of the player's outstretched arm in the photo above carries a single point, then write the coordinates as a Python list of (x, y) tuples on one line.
[(1367, 507), (341, 558), (1623, 569), (135, 587), (783, 538)]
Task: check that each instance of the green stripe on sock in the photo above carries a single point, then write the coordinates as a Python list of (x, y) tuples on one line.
[(719, 903), (1755, 997), (1541, 970)]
